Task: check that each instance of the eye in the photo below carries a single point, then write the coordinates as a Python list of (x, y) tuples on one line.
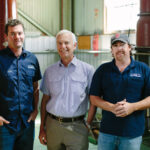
[(59, 43), (12, 33), (66, 43), (115, 45), (122, 44), (20, 33)]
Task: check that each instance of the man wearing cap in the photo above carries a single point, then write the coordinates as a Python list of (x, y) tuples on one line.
[(121, 88)]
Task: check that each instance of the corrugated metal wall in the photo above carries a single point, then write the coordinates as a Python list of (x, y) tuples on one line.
[(84, 17), (44, 12), (88, 17)]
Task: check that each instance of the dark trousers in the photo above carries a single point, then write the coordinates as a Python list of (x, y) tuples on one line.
[(22, 140)]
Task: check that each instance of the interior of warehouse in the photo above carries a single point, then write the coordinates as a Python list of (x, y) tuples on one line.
[(93, 22)]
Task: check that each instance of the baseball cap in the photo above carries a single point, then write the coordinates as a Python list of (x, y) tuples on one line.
[(120, 37)]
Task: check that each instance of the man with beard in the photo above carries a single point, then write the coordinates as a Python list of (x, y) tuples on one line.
[(121, 88)]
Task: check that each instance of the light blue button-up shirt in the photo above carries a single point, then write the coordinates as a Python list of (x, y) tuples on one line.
[(68, 88)]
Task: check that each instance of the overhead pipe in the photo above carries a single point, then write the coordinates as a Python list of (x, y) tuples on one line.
[(12, 9), (61, 15), (3, 17)]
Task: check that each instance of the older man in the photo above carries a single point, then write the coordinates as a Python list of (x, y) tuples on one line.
[(65, 86)]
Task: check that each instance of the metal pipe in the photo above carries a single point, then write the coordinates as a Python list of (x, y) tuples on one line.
[(12, 9), (3, 8), (143, 25), (61, 15), (76, 51), (142, 54)]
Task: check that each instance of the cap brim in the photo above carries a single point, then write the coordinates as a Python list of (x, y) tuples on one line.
[(121, 40)]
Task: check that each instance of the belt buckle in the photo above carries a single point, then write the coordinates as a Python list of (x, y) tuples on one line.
[(72, 119), (60, 119)]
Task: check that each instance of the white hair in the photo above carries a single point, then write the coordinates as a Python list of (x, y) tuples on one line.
[(68, 32)]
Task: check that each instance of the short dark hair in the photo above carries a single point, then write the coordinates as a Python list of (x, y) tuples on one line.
[(12, 23)]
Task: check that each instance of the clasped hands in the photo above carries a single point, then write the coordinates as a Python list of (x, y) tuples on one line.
[(123, 108)]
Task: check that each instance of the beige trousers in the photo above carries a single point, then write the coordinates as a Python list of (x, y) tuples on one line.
[(66, 136)]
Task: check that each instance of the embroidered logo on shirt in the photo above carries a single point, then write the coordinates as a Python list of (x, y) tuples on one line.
[(31, 67), (135, 75), (9, 71)]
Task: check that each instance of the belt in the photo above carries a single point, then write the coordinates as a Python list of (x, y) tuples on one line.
[(62, 119)]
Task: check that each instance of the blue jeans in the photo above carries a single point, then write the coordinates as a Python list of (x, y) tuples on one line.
[(22, 140), (111, 142)]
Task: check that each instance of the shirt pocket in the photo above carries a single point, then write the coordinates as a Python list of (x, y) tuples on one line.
[(30, 73), (27, 79), (79, 84), (136, 83), (55, 86)]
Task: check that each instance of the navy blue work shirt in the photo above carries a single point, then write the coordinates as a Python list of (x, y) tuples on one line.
[(16, 86), (133, 84)]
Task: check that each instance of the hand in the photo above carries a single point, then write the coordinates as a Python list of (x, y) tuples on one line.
[(33, 115), (123, 108), (2, 121), (87, 125), (42, 137)]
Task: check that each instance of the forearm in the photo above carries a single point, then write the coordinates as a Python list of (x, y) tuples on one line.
[(36, 95), (125, 108), (143, 104), (91, 113), (99, 102), (43, 110), (43, 114), (36, 101)]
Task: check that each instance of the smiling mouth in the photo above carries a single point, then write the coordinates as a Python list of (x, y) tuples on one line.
[(64, 51), (17, 41), (120, 53)]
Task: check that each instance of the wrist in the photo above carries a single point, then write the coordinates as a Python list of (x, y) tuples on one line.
[(87, 124)]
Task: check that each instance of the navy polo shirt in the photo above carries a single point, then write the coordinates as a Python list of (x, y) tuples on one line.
[(133, 84), (16, 86)]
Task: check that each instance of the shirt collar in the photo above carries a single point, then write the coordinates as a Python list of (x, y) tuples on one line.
[(9, 52), (73, 62), (131, 65)]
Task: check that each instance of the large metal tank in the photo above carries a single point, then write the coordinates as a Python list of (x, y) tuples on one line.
[(143, 32), (143, 44), (143, 26)]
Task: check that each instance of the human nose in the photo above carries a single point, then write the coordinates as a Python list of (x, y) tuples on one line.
[(120, 47), (63, 45), (16, 36)]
